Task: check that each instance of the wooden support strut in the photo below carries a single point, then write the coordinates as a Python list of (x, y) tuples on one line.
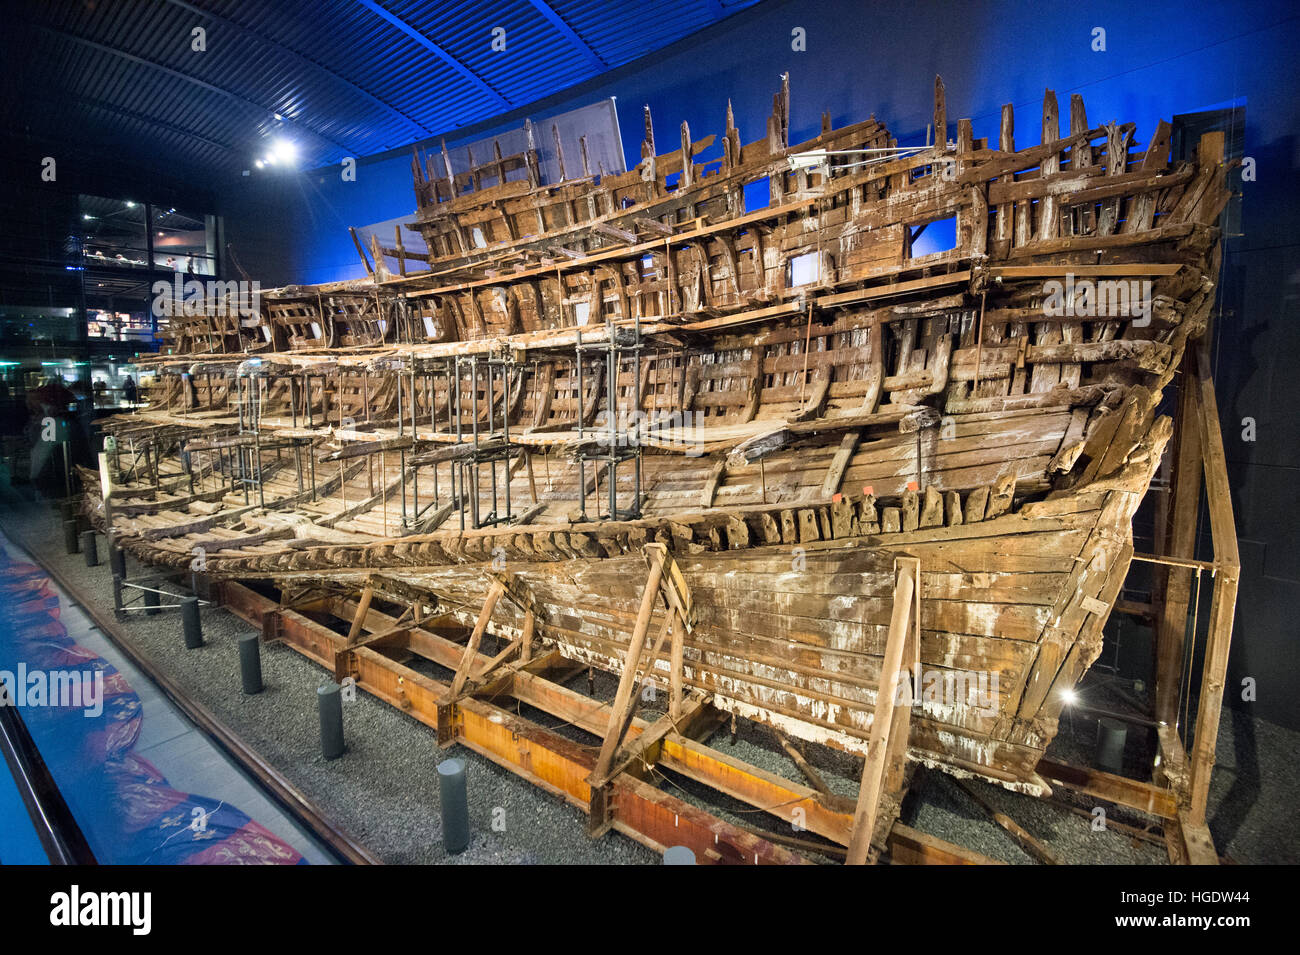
[(358, 621), (664, 578), (471, 649), (623, 699), (892, 712), (1224, 601)]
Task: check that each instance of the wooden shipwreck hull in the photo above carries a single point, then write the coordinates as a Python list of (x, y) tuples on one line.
[(786, 397)]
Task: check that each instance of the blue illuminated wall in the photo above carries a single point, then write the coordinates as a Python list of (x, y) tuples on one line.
[(881, 58)]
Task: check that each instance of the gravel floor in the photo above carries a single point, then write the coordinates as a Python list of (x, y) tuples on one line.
[(384, 789)]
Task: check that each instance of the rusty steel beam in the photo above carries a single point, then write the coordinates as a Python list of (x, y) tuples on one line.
[(908, 846), (786, 800), (1132, 793), (560, 766), (550, 761)]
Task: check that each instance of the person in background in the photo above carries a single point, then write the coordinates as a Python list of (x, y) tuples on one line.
[(52, 409), (82, 422), (12, 418), (129, 391)]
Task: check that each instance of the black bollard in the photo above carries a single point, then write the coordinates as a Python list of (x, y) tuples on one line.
[(250, 663), (71, 541), (1111, 737), (191, 623), (330, 701), (454, 800), (90, 548), (117, 561), (151, 602)]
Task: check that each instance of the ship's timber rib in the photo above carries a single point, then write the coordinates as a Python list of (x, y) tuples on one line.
[(798, 398)]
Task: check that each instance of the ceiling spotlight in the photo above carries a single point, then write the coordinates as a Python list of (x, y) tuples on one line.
[(284, 151), (87, 216), (130, 204), (1069, 697), (260, 164)]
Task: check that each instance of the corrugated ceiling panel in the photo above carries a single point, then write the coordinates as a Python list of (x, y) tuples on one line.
[(343, 77)]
